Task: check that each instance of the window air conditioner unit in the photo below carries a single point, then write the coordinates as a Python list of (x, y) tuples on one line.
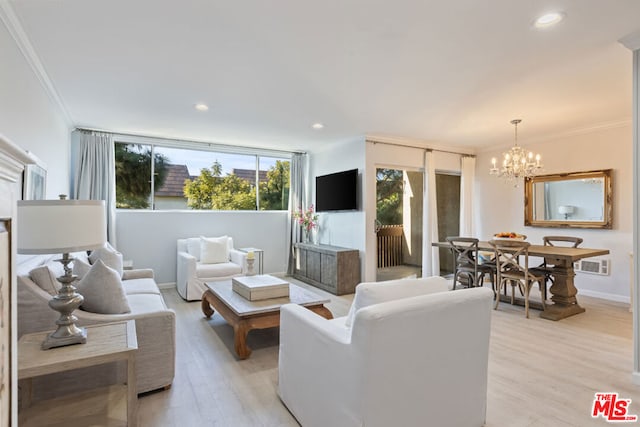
[(599, 266)]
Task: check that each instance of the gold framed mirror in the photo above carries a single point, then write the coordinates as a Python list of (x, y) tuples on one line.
[(569, 200)]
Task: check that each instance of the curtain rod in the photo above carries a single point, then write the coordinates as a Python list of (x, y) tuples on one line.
[(421, 148), (210, 144)]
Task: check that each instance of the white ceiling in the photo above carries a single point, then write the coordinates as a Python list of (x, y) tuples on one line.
[(447, 72)]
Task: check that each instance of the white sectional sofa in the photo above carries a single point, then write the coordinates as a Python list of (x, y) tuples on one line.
[(155, 327)]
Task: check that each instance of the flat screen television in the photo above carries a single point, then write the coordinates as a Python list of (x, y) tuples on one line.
[(337, 191)]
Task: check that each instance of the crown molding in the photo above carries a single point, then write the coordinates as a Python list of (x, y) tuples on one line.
[(631, 41), (599, 127), (14, 27)]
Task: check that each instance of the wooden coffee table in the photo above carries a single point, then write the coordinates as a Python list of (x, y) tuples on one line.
[(245, 315)]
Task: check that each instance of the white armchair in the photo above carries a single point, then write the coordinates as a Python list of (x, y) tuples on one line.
[(192, 273), (406, 360)]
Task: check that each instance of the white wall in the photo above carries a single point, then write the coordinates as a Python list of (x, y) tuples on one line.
[(500, 206), (344, 229), (148, 238), (29, 118)]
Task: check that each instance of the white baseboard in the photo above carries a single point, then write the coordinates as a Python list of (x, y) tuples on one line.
[(603, 295), (168, 285)]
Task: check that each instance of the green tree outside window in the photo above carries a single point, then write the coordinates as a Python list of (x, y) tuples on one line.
[(133, 169)]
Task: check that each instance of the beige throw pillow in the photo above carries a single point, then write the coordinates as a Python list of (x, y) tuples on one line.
[(109, 256), (214, 250), (81, 268), (45, 279), (102, 290)]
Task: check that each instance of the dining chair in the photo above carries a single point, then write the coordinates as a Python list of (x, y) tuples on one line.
[(547, 270), (492, 263), (465, 263), (509, 254)]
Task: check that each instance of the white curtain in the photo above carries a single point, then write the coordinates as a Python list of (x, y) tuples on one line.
[(467, 177), (94, 174), (297, 199), (430, 255)]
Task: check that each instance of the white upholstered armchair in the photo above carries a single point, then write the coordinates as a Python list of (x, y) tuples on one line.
[(204, 259), (420, 358)]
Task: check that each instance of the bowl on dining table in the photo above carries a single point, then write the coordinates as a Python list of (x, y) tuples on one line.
[(509, 236)]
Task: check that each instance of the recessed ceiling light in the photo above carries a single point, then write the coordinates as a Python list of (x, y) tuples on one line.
[(548, 19), (317, 125), (201, 107)]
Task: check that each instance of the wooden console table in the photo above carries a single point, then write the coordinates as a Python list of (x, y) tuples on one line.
[(332, 268), (106, 343)]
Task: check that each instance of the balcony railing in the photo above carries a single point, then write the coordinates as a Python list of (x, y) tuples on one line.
[(389, 245)]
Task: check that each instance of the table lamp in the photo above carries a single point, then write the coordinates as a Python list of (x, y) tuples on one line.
[(62, 226), (565, 210)]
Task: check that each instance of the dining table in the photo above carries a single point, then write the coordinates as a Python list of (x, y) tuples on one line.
[(561, 260)]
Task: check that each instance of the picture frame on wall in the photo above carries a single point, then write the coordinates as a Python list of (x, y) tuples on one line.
[(34, 185)]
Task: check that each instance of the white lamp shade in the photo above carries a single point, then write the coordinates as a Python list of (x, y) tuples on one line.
[(60, 226), (565, 209)]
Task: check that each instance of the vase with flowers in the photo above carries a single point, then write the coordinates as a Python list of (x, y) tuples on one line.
[(307, 219)]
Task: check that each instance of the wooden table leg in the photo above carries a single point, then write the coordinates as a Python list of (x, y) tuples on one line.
[(132, 392), (206, 306), (26, 393), (322, 311), (241, 330), (563, 293)]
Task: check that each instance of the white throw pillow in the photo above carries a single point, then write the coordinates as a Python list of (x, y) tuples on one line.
[(81, 268), (193, 247), (214, 250), (377, 292), (45, 278), (83, 255), (102, 290), (109, 256)]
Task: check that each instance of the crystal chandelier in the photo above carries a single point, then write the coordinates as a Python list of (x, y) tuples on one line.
[(517, 163)]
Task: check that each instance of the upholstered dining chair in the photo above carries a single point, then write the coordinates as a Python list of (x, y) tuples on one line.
[(465, 263), (547, 270), (509, 254)]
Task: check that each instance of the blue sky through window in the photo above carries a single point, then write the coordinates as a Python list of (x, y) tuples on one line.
[(197, 160)]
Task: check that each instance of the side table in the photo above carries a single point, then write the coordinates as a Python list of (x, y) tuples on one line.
[(106, 343), (259, 254)]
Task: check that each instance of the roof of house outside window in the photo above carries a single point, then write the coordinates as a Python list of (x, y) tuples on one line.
[(250, 175), (174, 182)]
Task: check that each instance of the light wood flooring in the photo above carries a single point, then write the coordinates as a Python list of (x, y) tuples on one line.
[(541, 373)]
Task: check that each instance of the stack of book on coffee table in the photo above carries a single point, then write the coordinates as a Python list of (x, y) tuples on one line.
[(259, 287)]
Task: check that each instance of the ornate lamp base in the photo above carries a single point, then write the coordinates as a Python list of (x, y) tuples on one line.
[(65, 303), (65, 336), (250, 270)]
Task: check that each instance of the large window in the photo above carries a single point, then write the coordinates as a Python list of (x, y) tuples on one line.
[(186, 178)]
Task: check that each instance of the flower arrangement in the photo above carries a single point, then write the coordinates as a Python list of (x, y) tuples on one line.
[(307, 219)]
